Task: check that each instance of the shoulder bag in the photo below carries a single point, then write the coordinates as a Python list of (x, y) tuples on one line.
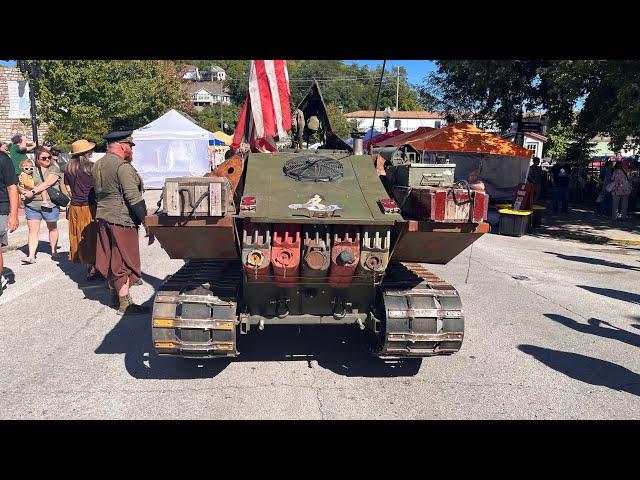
[(56, 196)]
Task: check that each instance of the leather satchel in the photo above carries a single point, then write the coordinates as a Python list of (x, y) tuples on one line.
[(56, 196)]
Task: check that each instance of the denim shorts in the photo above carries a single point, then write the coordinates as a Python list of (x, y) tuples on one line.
[(49, 215)]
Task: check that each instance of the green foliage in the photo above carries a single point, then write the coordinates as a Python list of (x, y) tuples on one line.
[(564, 141), (209, 117), (339, 124), (89, 98), (559, 137)]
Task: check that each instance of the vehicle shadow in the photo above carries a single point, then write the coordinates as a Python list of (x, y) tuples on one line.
[(594, 328), (594, 261), (617, 294), (586, 369), (341, 349)]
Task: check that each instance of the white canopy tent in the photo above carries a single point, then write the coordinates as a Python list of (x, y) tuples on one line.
[(171, 146)]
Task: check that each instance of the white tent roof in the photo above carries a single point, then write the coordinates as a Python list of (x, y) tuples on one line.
[(171, 125)]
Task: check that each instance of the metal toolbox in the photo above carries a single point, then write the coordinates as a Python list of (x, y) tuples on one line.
[(425, 174), (198, 197)]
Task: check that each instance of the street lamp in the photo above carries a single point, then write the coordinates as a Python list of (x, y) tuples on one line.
[(387, 117)]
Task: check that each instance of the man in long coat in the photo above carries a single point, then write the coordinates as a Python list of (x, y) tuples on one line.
[(121, 209)]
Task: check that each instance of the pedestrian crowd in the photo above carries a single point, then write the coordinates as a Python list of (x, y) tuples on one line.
[(104, 208)]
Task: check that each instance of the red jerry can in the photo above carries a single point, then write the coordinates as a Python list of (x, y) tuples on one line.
[(285, 253), (345, 255)]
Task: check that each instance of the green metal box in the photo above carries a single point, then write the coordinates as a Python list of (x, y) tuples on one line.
[(425, 174)]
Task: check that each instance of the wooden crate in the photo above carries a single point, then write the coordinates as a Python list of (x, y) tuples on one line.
[(181, 194)]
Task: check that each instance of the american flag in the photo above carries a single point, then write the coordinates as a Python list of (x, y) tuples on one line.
[(266, 111)]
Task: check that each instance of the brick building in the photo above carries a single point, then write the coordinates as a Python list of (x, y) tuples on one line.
[(10, 126)]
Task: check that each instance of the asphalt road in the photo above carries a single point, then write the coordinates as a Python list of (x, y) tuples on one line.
[(552, 332)]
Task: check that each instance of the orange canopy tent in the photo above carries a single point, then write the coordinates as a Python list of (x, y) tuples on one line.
[(465, 137)]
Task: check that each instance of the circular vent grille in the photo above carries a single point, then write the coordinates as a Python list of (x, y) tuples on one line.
[(311, 168)]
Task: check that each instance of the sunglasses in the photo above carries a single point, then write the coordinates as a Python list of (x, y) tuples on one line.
[(46, 158), (28, 169)]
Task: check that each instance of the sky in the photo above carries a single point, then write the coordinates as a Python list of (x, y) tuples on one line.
[(417, 70)]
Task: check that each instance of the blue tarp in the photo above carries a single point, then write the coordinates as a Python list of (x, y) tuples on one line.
[(366, 137)]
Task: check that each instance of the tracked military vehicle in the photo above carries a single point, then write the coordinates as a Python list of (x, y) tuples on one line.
[(326, 237)]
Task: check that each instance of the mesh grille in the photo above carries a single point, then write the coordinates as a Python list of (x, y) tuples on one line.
[(309, 168)]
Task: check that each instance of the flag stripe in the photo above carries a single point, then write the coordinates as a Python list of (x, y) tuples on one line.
[(284, 93), (270, 68), (254, 97)]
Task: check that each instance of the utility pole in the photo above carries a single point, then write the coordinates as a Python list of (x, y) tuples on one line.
[(221, 100), (397, 87)]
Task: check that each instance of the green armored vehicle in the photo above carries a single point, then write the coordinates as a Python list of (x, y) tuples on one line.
[(330, 236)]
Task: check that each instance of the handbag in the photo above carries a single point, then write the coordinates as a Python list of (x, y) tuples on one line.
[(56, 196)]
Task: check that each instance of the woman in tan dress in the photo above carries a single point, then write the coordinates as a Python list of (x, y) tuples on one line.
[(81, 213)]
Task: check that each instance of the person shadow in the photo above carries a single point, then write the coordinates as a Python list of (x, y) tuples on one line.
[(586, 369), (595, 327), (9, 275)]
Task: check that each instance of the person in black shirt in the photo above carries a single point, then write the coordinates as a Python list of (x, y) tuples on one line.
[(560, 177), (8, 206)]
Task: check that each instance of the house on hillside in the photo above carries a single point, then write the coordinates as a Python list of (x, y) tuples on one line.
[(204, 94), (211, 74), (405, 121)]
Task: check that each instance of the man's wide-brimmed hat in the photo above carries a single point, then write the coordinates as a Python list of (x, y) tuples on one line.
[(81, 146)]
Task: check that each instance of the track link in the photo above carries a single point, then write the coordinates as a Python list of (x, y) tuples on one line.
[(194, 311), (418, 314)]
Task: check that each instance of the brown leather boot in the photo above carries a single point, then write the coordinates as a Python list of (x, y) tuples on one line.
[(127, 306)]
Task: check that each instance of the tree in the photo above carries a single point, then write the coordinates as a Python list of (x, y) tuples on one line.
[(339, 124), (209, 117), (486, 89), (89, 98), (499, 90)]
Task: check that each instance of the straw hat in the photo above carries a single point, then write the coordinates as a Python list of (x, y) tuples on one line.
[(81, 146)]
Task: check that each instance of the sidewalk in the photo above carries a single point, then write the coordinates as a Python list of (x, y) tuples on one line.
[(583, 224)]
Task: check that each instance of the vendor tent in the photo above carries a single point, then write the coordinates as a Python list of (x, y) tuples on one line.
[(171, 146), (381, 138), (223, 137), (403, 138), (501, 164)]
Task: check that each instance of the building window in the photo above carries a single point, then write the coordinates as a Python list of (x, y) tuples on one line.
[(437, 124), (396, 124), (533, 147)]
